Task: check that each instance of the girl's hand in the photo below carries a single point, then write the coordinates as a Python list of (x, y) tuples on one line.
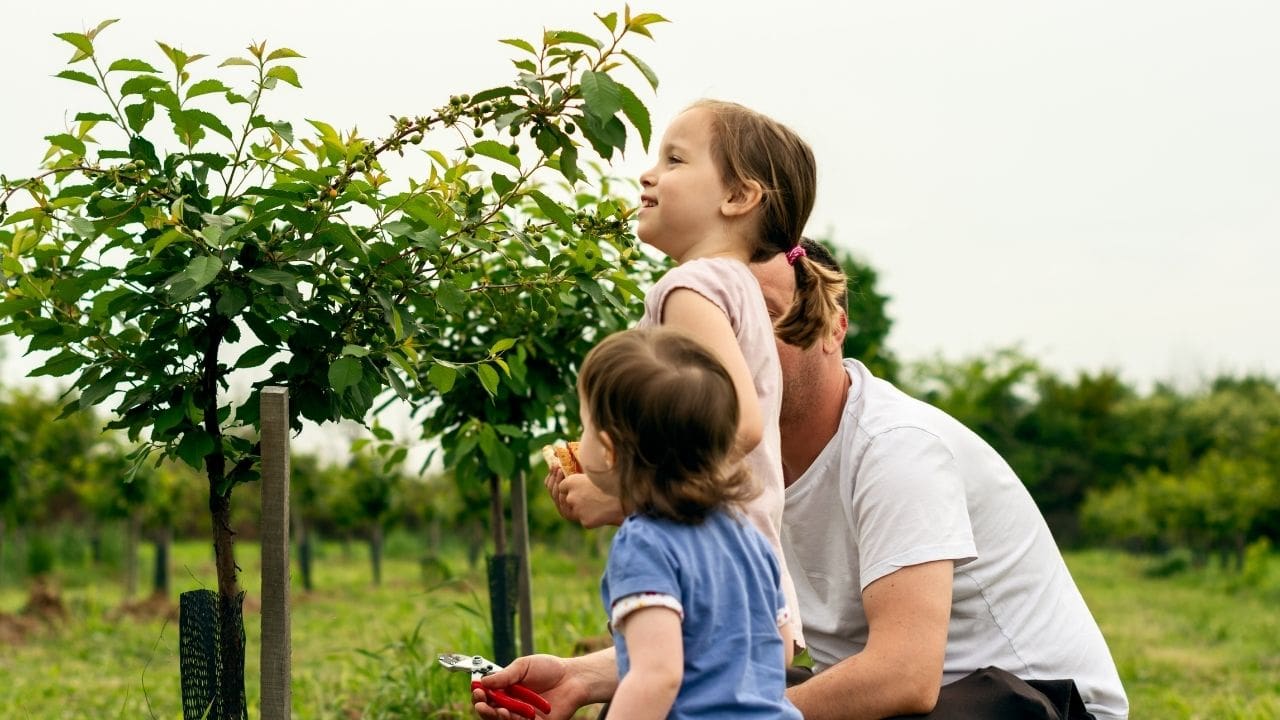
[(580, 500)]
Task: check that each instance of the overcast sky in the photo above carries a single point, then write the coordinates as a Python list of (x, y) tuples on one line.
[(1096, 181)]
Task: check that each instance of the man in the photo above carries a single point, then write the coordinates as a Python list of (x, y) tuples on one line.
[(919, 560), (916, 552)]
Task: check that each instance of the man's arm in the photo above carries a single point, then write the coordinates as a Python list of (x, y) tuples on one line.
[(899, 672)]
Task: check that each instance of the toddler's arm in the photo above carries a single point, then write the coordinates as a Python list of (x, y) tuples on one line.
[(655, 648), (693, 313)]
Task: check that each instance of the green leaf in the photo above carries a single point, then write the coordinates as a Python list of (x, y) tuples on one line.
[(205, 87), (64, 363), (78, 76), (502, 346), (502, 184), (268, 276), (237, 61), (355, 351), (497, 151), (167, 238), (209, 120), (102, 26), (285, 73), (637, 113), (397, 384), (139, 114), (451, 298), (282, 53), (556, 37), (488, 378), (644, 69), (553, 210), (638, 23), (140, 84), (131, 65), (70, 143), (169, 418), (344, 372), (193, 448), (442, 377), (610, 21), (601, 94), (80, 41), (83, 227), (522, 44), (255, 356), (199, 272), (93, 117)]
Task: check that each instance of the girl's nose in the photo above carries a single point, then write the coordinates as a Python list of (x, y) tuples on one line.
[(647, 178)]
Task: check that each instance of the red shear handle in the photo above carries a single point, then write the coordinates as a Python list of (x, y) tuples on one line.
[(515, 698)]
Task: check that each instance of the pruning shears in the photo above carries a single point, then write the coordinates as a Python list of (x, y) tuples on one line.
[(515, 698)]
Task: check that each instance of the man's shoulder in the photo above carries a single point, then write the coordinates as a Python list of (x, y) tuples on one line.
[(877, 406)]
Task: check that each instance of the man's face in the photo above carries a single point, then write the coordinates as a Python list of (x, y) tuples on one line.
[(800, 368)]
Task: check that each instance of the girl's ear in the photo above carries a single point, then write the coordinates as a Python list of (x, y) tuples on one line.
[(745, 198), (606, 442)]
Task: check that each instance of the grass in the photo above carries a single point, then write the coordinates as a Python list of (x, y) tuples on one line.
[(358, 651), (1197, 644)]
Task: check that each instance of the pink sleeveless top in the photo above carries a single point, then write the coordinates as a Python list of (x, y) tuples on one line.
[(729, 285)]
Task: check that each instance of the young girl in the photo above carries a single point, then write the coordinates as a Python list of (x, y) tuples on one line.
[(731, 186), (692, 592)]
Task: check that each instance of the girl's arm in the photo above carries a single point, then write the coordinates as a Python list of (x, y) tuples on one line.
[(693, 313), (654, 644)]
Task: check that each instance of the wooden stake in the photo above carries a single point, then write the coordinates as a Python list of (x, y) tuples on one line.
[(276, 652)]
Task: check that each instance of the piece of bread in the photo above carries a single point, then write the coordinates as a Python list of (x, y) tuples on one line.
[(565, 456)]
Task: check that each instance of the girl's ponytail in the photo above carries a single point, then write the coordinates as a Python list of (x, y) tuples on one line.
[(819, 302)]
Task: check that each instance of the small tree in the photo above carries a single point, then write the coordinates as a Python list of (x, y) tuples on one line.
[(178, 218)]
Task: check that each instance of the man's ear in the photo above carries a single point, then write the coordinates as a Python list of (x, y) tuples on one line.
[(835, 341), (746, 197)]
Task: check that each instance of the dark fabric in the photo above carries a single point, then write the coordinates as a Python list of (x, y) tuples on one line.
[(994, 694), (989, 694)]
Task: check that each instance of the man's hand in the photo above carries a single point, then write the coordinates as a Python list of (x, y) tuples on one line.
[(567, 685), (899, 672), (578, 499)]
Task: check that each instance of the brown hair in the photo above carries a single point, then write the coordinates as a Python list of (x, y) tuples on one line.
[(749, 146), (671, 410)]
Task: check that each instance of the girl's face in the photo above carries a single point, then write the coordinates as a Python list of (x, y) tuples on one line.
[(596, 454), (682, 195)]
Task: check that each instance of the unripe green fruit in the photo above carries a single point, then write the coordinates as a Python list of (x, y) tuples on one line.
[(515, 130), (470, 152), (478, 132), (515, 149), (569, 128), (465, 98), (119, 187)]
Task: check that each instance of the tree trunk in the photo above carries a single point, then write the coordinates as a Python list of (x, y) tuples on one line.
[(162, 539), (95, 543), (304, 553), (520, 539), (131, 556), (231, 638), (375, 552), (2, 531)]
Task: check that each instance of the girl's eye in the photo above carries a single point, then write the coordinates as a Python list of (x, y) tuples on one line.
[(673, 159)]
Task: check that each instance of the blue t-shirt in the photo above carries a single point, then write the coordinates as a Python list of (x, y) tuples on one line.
[(726, 579)]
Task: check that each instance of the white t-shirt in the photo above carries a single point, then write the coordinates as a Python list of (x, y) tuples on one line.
[(903, 483), (730, 286)]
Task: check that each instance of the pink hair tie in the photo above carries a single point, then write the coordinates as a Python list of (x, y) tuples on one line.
[(795, 254)]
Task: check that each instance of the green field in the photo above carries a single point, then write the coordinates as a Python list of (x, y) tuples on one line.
[(1196, 644)]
